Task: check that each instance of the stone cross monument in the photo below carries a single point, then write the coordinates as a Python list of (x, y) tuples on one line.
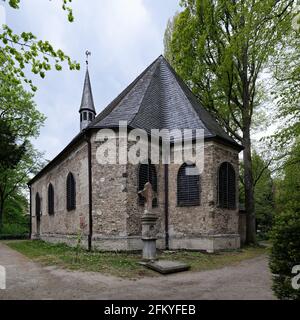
[(148, 224)]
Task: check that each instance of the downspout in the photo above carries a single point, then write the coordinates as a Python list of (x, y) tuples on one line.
[(166, 171), (88, 140), (30, 212)]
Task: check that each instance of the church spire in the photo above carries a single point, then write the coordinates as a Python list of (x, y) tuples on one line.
[(87, 108)]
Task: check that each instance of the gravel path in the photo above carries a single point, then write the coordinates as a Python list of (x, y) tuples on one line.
[(28, 280)]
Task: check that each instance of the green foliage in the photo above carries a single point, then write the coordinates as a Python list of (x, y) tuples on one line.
[(19, 121), (220, 49), (16, 218), (17, 107), (287, 93), (285, 253), (20, 50), (10, 152), (285, 234), (263, 193), (15, 4)]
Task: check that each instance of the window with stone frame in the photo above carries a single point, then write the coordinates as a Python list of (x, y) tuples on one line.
[(71, 192), (226, 186), (37, 204), (50, 199), (188, 186), (147, 173)]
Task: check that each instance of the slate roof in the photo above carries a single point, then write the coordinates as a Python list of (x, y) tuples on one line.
[(159, 99), (87, 101)]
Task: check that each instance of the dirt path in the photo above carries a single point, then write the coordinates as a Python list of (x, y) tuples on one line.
[(28, 280)]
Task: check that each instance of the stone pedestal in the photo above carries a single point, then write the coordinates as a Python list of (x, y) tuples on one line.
[(149, 235)]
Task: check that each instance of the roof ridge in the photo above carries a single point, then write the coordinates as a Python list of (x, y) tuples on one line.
[(147, 89), (180, 82), (190, 95), (113, 104)]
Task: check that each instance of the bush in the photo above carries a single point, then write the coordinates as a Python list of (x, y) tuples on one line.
[(15, 228), (285, 254)]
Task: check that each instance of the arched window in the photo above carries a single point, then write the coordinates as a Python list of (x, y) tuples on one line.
[(227, 186), (147, 173), (188, 186), (50, 199), (71, 192), (37, 205)]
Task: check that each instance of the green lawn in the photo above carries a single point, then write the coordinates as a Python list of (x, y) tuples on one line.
[(123, 264)]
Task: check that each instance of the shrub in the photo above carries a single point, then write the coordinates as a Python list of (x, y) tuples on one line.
[(285, 253)]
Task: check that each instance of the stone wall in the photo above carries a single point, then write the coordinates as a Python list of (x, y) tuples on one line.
[(63, 224), (204, 227), (116, 212), (225, 221), (109, 202)]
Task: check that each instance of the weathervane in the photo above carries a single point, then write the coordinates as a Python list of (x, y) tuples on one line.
[(87, 53)]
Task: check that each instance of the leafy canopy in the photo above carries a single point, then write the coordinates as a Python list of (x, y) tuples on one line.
[(20, 50)]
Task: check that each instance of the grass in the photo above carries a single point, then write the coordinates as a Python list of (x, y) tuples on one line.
[(123, 264)]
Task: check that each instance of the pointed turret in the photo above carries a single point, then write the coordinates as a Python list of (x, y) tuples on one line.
[(87, 108)]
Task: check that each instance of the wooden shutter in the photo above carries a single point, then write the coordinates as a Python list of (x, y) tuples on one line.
[(227, 186), (188, 186), (71, 192)]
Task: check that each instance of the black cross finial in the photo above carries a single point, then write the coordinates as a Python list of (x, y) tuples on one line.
[(87, 53)]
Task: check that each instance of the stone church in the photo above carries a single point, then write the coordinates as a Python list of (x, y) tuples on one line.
[(74, 194)]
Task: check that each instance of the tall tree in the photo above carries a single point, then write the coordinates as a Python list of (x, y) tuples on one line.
[(13, 180), (263, 192), (287, 93), (10, 152), (220, 48), (19, 121)]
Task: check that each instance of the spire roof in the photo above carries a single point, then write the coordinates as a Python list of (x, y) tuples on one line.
[(159, 99), (87, 101)]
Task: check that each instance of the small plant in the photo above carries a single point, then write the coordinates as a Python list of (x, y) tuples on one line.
[(80, 235), (78, 247)]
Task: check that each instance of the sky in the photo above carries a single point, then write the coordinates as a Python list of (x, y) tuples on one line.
[(124, 37)]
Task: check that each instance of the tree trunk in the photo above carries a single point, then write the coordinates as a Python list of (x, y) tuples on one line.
[(249, 191)]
